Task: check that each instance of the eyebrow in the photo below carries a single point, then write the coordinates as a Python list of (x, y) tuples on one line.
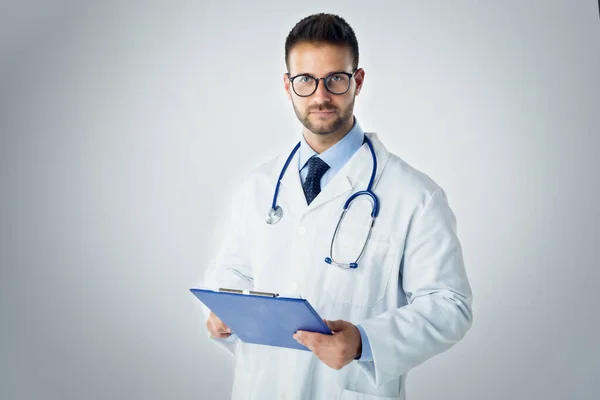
[(308, 73)]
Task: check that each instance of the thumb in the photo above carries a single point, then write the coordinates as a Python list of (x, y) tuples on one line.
[(337, 325)]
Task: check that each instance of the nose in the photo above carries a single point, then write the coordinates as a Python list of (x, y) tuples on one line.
[(321, 95)]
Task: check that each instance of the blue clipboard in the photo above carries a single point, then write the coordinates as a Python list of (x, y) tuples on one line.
[(263, 318)]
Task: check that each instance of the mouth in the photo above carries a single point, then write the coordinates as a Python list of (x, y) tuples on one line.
[(325, 113)]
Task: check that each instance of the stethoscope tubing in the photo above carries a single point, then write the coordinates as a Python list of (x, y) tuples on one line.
[(276, 212)]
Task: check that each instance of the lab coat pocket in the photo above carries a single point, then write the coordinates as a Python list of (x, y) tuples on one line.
[(351, 395), (364, 286)]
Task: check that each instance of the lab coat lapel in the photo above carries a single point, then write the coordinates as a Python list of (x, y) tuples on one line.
[(291, 195), (355, 174), (339, 185), (294, 199)]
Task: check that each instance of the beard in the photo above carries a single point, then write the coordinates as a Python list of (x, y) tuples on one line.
[(325, 127)]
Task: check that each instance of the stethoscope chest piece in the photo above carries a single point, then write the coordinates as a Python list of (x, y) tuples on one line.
[(274, 215)]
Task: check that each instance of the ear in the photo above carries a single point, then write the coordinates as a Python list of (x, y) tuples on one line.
[(359, 77), (286, 86)]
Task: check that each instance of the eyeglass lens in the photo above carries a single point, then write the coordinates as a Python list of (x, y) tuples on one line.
[(305, 85)]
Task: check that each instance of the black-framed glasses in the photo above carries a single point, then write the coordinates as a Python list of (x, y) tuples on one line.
[(305, 85)]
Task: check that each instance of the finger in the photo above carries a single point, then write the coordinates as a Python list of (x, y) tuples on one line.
[(302, 337), (219, 325), (221, 335), (312, 340), (224, 329), (218, 329), (337, 325)]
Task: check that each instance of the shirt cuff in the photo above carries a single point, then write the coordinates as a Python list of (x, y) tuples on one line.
[(366, 354)]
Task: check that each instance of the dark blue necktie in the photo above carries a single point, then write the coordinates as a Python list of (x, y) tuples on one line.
[(312, 183)]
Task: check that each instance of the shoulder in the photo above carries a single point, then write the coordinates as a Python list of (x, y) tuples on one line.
[(413, 192), (408, 180), (265, 169), (262, 174)]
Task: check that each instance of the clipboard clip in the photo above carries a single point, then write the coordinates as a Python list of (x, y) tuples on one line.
[(252, 292)]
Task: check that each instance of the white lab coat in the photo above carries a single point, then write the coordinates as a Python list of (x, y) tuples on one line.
[(410, 291)]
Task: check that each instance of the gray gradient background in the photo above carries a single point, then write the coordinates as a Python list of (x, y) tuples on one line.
[(112, 116)]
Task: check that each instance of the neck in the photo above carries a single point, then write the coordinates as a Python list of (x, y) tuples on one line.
[(320, 143)]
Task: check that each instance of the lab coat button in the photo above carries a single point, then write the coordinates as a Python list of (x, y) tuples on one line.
[(302, 230)]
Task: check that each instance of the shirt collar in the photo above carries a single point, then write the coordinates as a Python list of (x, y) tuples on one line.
[(338, 154)]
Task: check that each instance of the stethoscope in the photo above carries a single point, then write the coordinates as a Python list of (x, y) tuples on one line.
[(276, 212)]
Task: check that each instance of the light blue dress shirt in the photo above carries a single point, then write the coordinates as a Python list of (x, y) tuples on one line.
[(336, 157)]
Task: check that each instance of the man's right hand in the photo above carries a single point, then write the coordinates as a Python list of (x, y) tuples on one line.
[(216, 327)]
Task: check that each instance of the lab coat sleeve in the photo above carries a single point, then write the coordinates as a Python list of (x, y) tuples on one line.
[(438, 313), (230, 268)]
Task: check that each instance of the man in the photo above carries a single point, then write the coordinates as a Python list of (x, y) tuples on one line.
[(407, 300)]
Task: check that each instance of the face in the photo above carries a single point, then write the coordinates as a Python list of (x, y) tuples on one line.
[(323, 112)]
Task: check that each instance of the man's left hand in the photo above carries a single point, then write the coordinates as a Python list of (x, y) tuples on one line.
[(334, 350)]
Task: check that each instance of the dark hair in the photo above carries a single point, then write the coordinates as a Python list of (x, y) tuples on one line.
[(328, 28)]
